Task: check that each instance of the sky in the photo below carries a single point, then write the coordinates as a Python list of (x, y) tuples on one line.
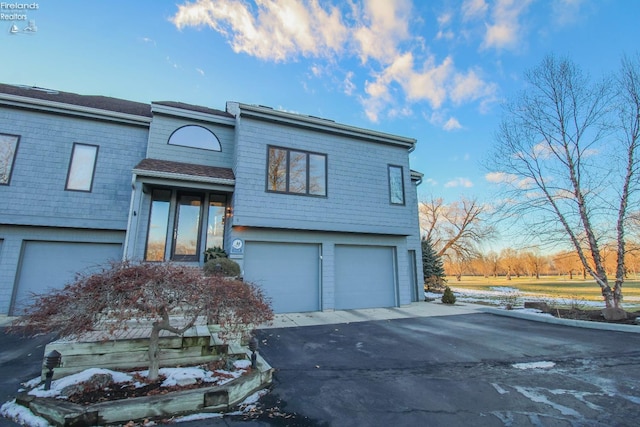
[(438, 71)]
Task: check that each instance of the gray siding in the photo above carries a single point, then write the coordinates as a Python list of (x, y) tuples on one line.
[(36, 194), (357, 191), (163, 126)]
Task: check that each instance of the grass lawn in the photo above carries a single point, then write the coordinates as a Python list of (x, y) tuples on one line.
[(573, 291)]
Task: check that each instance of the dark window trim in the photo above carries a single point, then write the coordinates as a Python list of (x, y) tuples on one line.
[(174, 230), (389, 167), (13, 160), (166, 233), (93, 168), (219, 150), (308, 175)]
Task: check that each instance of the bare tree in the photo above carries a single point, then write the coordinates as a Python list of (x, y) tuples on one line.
[(567, 154), (456, 229)]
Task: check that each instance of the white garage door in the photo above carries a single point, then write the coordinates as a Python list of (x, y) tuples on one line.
[(288, 273), (365, 277), (47, 265)]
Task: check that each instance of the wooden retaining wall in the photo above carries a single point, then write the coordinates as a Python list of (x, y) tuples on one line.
[(196, 346)]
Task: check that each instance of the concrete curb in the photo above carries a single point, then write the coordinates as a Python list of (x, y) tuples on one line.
[(566, 322)]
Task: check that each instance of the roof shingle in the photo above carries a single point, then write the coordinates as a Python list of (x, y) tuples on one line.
[(166, 166)]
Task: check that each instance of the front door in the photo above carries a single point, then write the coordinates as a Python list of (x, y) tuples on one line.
[(186, 232), (182, 224)]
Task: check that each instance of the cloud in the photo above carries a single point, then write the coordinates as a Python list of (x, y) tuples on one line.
[(459, 182), (504, 30), (376, 32), (349, 86), (200, 71), (381, 26), (431, 182), (276, 31), (566, 12), (510, 179), (474, 9), (500, 177), (452, 124), (443, 120), (148, 40)]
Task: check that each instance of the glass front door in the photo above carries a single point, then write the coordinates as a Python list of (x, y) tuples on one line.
[(187, 228), (183, 224)]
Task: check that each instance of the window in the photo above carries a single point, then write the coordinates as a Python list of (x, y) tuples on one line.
[(195, 137), (396, 185), (178, 227), (158, 225), (215, 223), (82, 167), (296, 172), (8, 150), (186, 240)]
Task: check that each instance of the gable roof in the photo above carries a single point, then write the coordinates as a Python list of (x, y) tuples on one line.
[(196, 108), (90, 101)]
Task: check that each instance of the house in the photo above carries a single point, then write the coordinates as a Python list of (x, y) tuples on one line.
[(321, 215)]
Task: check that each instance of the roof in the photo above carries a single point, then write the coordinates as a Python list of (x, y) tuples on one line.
[(170, 169), (197, 108), (90, 101), (261, 112)]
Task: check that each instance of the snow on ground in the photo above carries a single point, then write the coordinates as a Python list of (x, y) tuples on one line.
[(21, 415), (80, 377), (173, 376), (502, 296), (534, 365)]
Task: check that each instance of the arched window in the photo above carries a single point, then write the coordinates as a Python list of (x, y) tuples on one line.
[(195, 137)]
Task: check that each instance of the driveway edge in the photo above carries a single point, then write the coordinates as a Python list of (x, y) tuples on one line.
[(566, 322)]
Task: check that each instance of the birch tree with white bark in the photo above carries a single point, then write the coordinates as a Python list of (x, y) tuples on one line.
[(566, 156)]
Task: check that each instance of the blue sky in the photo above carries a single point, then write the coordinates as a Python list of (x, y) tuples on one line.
[(437, 71)]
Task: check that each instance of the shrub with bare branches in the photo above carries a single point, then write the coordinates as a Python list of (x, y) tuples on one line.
[(170, 296)]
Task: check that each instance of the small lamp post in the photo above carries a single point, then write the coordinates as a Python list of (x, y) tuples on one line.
[(51, 360), (253, 346)]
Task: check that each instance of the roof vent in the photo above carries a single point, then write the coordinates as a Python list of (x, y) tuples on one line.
[(41, 89), (322, 118)]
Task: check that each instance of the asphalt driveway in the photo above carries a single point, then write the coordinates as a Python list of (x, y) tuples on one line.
[(441, 371), (454, 371)]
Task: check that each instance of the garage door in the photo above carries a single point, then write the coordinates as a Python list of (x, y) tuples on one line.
[(47, 265), (364, 277), (289, 274)]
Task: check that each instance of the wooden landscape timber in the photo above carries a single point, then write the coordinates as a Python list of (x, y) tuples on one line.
[(198, 345), (207, 399)]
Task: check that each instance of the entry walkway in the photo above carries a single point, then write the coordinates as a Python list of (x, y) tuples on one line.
[(416, 309)]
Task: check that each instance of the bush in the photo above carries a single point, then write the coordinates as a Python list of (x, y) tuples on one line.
[(222, 267), (160, 293), (214, 253), (448, 297)]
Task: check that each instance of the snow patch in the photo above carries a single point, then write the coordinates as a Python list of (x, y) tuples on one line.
[(242, 364), (79, 378), (499, 389), (534, 365), (22, 415), (196, 417), (505, 289)]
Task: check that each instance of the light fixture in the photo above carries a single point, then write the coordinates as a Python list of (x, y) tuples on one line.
[(51, 360), (253, 346)]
